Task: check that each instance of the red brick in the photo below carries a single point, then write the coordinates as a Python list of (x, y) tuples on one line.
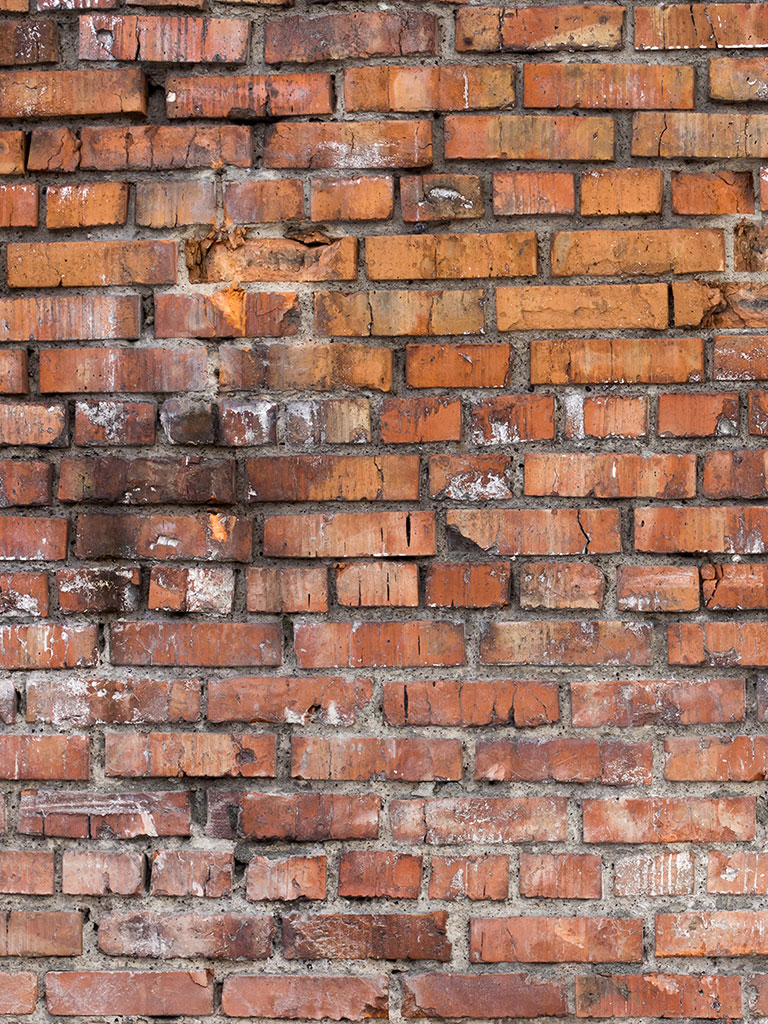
[(82, 264), (452, 821), (610, 762), (467, 585), (527, 137), (366, 937), (561, 585), (23, 538), (308, 367), (51, 149), (698, 415), (561, 876), (713, 933), (714, 759), (677, 251), (170, 204), (613, 192), (351, 144), (260, 202), (147, 481), (12, 148), (193, 935), (718, 643), (114, 422), (588, 307), (247, 97), (657, 588), (703, 136), (608, 86), (102, 873), (669, 820), (581, 26), (169, 755), (429, 88), (627, 704), (373, 874), (436, 197), (476, 878), (96, 815), (523, 193), (379, 644), (195, 643), (165, 147), (18, 992), (48, 645), (734, 586), (710, 193), (368, 198), (377, 584), (23, 594), (34, 94), (555, 940), (332, 478), (302, 817), (285, 878), (274, 259), (321, 699), (279, 590), (350, 535), (13, 372), (538, 531), (18, 206), (488, 996), (94, 701), (367, 757), (660, 874), (293, 997), (470, 477), (359, 34), (191, 873), (563, 642), (44, 757), (72, 993), (702, 26), (247, 423), (167, 39), (29, 42), (735, 474), (617, 361), (162, 537), (397, 313), (418, 420), (27, 872), (430, 257), (83, 206), (658, 995), (47, 933), (457, 366), (496, 702), (229, 313), (24, 483), (69, 317), (121, 369), (730, 529), (200, 589)]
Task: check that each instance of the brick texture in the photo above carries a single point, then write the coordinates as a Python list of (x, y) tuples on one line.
[(383, 511)]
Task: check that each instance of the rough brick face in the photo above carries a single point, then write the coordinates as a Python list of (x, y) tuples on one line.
[(383, 527)]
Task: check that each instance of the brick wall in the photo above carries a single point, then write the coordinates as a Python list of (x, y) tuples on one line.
[(383, 525)]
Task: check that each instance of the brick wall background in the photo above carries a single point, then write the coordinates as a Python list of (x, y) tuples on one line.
[(383, 510)]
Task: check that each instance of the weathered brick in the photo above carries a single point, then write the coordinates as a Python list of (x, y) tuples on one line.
[(436, 197), (522, 193), (83, 206), (379, 644), (173, 39), (608, 86), (245, 97), (285, 878), (195, 643), (366, 937), (617, 361), (413, 89), (170, 204), (476, 878), (555, 940), (359, 34), (669, 820), (351, 144), (34, 94), (489, 996), (613, 192), (452, 821), (70, 993), (528, 137), (164, 147), (191, 873), (566, 643), (445, 702), (280, 699), (83, 264), (380, 313), (263, 202), (306, 997), (97, 815), (127, 701), (538, 531), (581, 27), (596, 307)]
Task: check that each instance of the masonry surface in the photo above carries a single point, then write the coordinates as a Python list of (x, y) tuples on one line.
[(383, 524)]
